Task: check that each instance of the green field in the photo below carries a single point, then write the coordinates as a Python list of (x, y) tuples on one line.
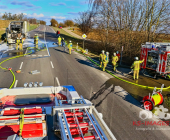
[(33, 26)]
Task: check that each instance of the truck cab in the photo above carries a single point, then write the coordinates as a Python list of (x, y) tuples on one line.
[(16, 29)]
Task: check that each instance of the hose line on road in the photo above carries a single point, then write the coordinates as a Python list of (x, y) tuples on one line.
[(146, 87), (11, 69)]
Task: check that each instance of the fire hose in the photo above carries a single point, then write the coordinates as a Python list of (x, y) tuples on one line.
[(142, 86), (10, 68)]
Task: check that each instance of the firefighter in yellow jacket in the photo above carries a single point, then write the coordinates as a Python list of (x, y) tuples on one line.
[(105, 60), (21, 44), (17, 43), (101, 58), (136, 67), (36, 38), (114, 61), (70, 47), (59, 41)]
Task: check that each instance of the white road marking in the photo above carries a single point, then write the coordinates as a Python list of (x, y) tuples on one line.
[(21, 65), (52, 64), (45, 55), (28, 55), (33, 55), (57, 81), (15, 83), (53, 30), (45, 41), (25, 52), (39, 55)]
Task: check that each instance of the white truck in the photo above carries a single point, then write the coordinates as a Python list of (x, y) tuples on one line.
[(16, 29)]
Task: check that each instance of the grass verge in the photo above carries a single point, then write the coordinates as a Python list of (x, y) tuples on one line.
[(33, 26)]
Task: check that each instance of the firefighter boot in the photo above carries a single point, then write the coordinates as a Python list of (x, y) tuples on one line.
[(100, 64), (70, 51)]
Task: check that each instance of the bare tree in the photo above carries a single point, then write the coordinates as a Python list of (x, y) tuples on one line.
[(85, 21), (130, 23)]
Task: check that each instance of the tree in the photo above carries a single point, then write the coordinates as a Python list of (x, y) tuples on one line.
[(69, 23), (76, 24), (62, 24), (42, 22), (9, 16), (85, 21), (5, 16), (54, 23), (130, 23)]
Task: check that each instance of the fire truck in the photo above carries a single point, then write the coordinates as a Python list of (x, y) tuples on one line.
[(156, 59)]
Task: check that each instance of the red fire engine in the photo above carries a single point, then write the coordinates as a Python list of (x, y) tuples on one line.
[(157, 59)]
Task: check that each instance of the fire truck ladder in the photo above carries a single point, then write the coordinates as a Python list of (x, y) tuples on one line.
[(77, 122)]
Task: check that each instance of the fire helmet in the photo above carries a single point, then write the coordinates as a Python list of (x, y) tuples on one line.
[(136, 58)]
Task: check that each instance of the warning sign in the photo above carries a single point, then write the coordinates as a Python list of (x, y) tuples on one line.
[(84, 36)]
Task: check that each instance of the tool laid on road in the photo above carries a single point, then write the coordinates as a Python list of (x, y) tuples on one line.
[(35, 72), (149, 102), (18, 71)]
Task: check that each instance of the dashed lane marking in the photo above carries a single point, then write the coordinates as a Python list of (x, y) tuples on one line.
[(21, 65), (52, 64), (57, 81), (15, 83)]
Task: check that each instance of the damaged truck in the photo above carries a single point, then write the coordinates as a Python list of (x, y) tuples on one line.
[(16, 29)]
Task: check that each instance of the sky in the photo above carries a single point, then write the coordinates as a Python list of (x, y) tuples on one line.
[(45, 9)]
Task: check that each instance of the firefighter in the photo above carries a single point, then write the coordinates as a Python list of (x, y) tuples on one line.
[(62, 42), (70, 47), (36, 38), (17, 43), (101, 58), (118, 55), (136, 67), (21, 44), (114, 61), (59, 41), (105, 60)]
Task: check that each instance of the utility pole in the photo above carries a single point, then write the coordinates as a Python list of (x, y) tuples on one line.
[(108, 20), (148, 21)]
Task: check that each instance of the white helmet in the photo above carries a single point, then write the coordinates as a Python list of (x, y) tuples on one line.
[(136, 58), (114, 54), (107, 52), (70, 41), (102, 51)]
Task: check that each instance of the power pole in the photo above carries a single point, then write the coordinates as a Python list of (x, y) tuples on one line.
[(108, 20), (148, 21)]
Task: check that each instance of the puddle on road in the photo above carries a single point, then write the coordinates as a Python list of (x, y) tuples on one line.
[(12, 54), (51, 44), (139, 92)]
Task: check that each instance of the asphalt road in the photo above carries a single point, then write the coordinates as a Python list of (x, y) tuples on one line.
[(120, 111)]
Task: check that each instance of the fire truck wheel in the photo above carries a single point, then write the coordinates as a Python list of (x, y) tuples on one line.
[(148, 105)]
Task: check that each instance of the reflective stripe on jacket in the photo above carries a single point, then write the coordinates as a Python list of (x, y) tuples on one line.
[(70, 45), (101, 58), (106, 58), (114, 59), (136, 65)]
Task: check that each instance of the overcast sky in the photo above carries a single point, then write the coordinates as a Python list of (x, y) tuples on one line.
[(45, 9)]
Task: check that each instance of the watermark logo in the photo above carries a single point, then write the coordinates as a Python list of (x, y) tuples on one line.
[(159, 112)]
